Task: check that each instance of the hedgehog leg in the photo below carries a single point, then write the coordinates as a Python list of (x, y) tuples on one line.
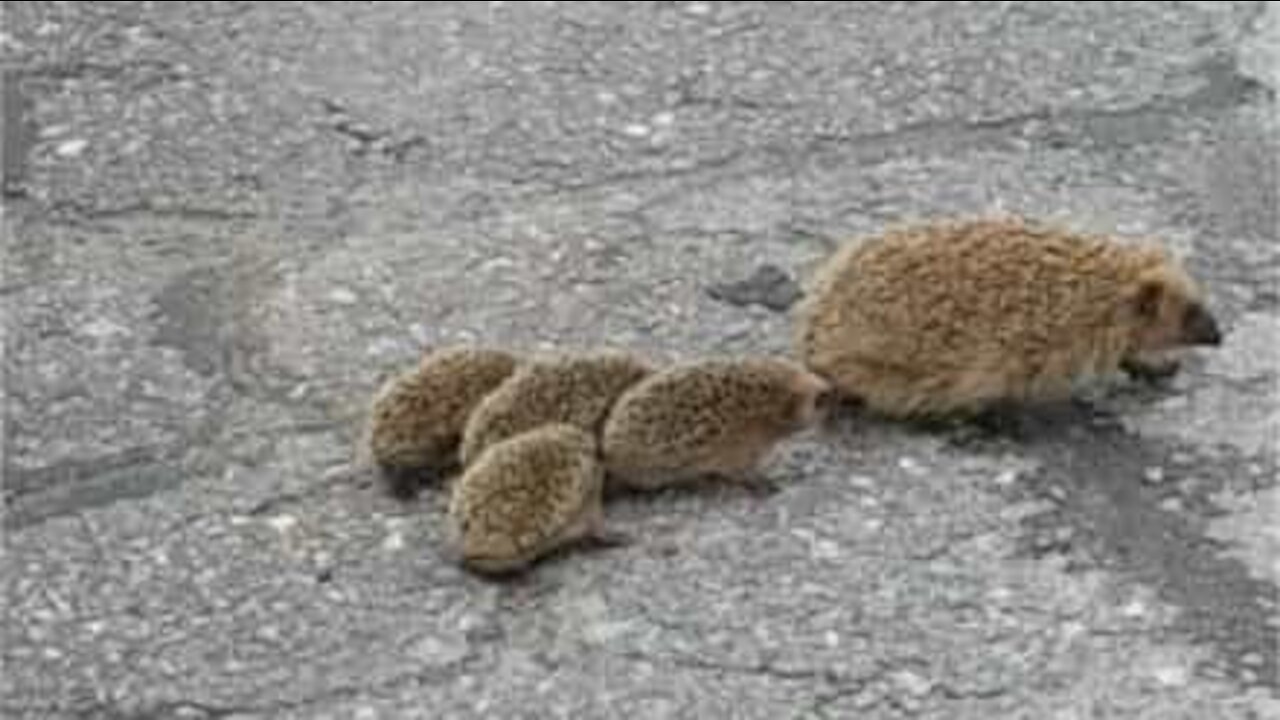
[(605, 538), (752, 480), (596, 533), (982, 425), (998, 421), (1150, 370)]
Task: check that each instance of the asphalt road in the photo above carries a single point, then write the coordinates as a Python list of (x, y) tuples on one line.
[(226, 222)]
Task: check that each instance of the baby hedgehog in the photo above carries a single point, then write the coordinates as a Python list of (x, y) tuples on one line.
[(717, 417), (417, 417), (574, 389), (959, 317), (528, 496)]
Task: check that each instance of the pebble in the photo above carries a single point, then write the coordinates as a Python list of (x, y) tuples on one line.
[(1170, 675), (1135, 609), (912, 684), (1007, 478), (911, 465), (282, 523), (1153, 475), (862, 482), (343, 296), (72, 148), (393, 542)]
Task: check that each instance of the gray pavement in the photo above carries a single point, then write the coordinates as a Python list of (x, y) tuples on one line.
[(226, 222)]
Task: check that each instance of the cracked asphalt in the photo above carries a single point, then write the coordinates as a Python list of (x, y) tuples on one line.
[(225, 223)]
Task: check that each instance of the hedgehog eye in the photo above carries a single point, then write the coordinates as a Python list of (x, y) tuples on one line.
[(1146, 302)]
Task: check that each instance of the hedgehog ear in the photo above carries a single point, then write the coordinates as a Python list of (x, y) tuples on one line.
[(1146, 298)]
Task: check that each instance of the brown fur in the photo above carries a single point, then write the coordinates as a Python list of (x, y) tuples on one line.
[(954, 317), (527, 496), (713, 417), (575, 389), (417, 418)]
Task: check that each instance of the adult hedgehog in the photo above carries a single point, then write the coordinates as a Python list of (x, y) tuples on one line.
[(953, 317)]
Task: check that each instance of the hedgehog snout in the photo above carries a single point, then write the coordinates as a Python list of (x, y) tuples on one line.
[(1200, 327)]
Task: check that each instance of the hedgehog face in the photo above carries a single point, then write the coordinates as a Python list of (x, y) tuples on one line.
[(1171, 313), (815, 398)]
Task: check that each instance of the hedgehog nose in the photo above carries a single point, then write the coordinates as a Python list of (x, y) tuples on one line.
[(827, 400), (1204, 329)]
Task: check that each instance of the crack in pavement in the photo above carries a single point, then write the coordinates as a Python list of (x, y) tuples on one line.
[(761, 669), (1224, 87), (368, 139), (70, 209)]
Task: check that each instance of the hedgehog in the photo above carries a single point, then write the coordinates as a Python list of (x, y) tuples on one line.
[(528, 496), (712, 418), (577, 389), (960, 318), (417, 417)]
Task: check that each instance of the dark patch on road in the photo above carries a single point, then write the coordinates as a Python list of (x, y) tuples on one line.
[(16, 134), (1140, 506), (769, 286), (195, 318), (33, 496)]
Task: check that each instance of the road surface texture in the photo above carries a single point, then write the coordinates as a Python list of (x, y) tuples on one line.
[(226, 222)]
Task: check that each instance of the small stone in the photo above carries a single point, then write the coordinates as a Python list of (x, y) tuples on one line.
[(1057, 493), (1172, 504), (636, 130), (826, 550), (1170, 675), (912, 684), (1007, 478), (102, 328), (664, 119), (338, 472), (72, 148), (393, 542), (343, 296), (1153, 475), (282, 523), (698, 8), (910, 466), (862, 482), (1253, 659), (769, 287), (52, 131), (1135, 609)]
